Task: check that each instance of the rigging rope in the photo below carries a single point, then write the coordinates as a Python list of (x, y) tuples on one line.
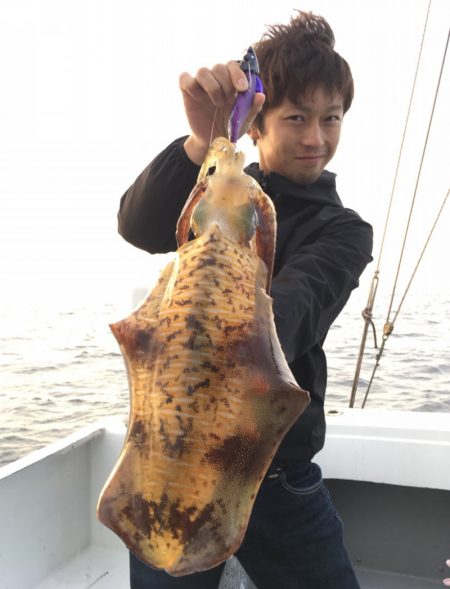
[(400, 153), (389, 325), (421, 255), (418, 177), (367, 312)]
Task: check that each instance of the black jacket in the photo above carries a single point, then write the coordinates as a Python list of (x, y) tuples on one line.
[(321, 250)]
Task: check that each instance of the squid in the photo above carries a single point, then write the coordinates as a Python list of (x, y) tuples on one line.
[(211, 393)]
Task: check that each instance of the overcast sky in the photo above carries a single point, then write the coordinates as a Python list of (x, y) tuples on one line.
[(90, 95)]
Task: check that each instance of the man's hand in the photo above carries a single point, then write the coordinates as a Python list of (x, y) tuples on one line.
[(210, 90)]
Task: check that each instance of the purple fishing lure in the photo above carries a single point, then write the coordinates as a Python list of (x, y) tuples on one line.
[(244, 100)]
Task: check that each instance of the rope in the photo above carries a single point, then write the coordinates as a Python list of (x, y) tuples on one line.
[(367, 312), (413, 89), (367, 315), (418, 177), (444, 202), (389, 325)]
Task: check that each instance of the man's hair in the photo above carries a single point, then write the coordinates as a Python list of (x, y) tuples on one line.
[(299, 57)]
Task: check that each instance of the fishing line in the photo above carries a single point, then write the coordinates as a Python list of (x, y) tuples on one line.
[(213, 125)]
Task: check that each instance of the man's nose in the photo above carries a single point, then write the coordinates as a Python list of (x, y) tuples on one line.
[(312, 136)]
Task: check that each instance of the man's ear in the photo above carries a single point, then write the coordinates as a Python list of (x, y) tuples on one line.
[(253, 133)]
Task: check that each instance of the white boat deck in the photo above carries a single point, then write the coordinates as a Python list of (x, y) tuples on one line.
[(95, 566), (102, 568), (50, 538)]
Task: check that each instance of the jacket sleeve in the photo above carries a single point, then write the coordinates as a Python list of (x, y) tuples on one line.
[(315, 283), (150, 208)]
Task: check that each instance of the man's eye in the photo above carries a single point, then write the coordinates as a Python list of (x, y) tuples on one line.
[(297, 118)]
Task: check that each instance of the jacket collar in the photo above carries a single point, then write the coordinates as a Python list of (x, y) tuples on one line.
[(322, 191)]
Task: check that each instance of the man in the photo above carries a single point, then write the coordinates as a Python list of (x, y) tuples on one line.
[(294, 538)]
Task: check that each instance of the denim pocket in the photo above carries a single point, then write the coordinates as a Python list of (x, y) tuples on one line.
[(301, 482)]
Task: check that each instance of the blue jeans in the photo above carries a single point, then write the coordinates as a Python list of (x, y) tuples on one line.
[(293, 541)]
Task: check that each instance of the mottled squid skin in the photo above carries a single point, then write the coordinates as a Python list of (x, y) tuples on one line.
[(211, 393)]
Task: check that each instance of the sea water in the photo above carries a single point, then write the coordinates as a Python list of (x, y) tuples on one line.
[(61, 367)]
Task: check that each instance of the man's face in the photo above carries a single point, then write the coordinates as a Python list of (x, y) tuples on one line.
[(298, 140)]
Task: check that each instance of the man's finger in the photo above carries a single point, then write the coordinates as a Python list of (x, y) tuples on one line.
[(189, 85), (222, 75), (211, 86), (203, 86), (237, 76)]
